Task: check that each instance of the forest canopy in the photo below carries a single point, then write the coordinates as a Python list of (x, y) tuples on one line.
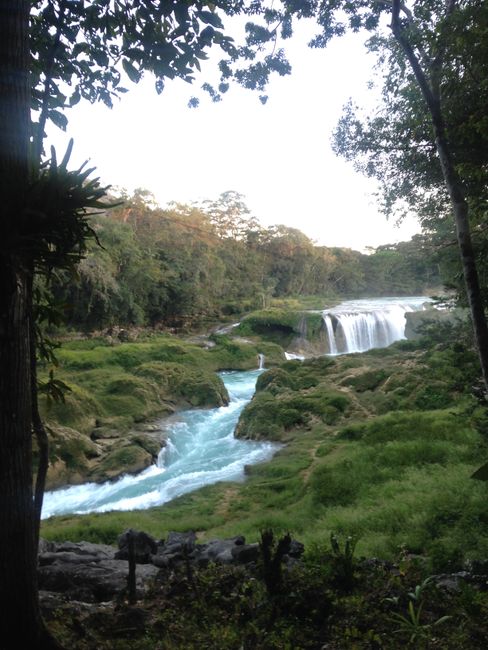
[(189, 264)]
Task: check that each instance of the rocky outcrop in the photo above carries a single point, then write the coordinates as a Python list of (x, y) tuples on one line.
[(92, 573), (416, 319), (104, 455), (87, 572)]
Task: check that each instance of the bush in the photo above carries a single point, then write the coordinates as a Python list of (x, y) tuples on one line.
[(367, 380)]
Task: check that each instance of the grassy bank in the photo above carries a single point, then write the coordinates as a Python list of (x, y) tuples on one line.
[(97, 431), (379, 446)]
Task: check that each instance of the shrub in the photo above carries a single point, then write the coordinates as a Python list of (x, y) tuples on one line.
[(369, 380)]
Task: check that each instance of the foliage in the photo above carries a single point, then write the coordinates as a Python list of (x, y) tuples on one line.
[(344, 564), (230, 607), (175, 268), (272, 556), (395, 144), (410, 623)]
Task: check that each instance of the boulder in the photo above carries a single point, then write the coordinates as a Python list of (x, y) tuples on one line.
[(144, 546), (296, 549), (245, 553), (177, 547), (88, 572), (219, 551)]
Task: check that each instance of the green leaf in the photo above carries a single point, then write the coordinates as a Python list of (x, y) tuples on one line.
[(131, 71), (78, 48), (75, 98), (210, 18), (59, 119)]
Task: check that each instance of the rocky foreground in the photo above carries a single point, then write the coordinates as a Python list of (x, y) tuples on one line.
[(226, 594), (91, 573)]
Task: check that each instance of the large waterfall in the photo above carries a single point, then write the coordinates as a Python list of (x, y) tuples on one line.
[(359, 325)]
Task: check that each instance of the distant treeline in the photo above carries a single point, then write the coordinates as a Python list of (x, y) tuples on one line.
[(188, 264)]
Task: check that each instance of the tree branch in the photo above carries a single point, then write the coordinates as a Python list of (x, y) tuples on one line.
[(39, 137), (427, 91), (439, 57), (410, 18)]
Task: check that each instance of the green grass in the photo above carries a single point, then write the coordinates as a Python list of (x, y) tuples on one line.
[(397, 480)]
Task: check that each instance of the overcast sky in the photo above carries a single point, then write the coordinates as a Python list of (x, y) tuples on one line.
[(277, 155)]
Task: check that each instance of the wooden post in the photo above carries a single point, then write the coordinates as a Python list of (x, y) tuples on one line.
[(131, 578)]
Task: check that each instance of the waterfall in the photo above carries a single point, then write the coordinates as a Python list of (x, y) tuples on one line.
[(357, 326), (330, 334), (260, 361)]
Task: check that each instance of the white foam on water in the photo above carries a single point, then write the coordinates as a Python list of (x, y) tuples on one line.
[(361, 325), (200, 449)]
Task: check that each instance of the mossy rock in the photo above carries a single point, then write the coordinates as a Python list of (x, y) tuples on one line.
[(266, 320), (283, 326), (174, 380), (235, 353), (273, 417), (275, 380), (79, 409), (147, 442), (267, 418), (364, 381), (71, 455), (129, 459)]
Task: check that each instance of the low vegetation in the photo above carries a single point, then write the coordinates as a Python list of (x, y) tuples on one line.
[(330, 598), (378, 450), (379, 446)]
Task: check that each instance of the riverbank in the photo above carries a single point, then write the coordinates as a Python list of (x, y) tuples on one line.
[(379, 445), (113, 390), (200, 449), (114, 385)]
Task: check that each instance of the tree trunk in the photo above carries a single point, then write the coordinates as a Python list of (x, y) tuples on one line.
[(18, 562), (465, 245), (20, 621), (431, 93)]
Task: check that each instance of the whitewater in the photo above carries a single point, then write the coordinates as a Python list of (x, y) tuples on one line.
[(200, 449), (360, 325), (200, 445)]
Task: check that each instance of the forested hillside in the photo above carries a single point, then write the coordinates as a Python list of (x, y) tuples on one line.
[(189, 264)]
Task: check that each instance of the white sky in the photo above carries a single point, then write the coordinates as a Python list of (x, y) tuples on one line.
[(277, 155)]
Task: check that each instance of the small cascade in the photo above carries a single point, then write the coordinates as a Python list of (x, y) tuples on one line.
[(167, 451), (330, 334), (357, 326), (260, 361)]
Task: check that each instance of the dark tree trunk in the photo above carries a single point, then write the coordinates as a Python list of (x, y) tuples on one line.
[(465, 245), (18, 583), (20, 621), (430, 91)]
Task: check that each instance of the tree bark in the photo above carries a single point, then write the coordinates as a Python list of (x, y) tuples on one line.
[(465, 245), (431, 94), (20, 621)]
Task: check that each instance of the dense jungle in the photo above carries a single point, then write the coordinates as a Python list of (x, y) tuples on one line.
[(218, 434)]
